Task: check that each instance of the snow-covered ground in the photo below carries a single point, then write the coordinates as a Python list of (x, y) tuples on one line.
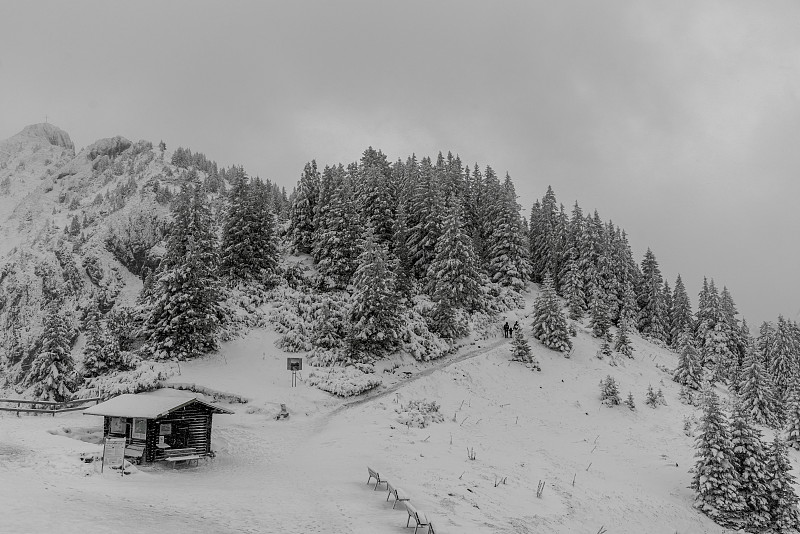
[(625, 471)]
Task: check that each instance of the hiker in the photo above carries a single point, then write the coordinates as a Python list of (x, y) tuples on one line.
[(515, 327), (505, 329)]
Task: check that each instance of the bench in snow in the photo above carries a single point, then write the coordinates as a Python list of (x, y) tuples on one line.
[(399, 495), (135, 451), (180, 455), (419, 517), (374, 474)]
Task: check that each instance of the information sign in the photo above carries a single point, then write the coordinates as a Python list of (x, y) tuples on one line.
[(114, 452)]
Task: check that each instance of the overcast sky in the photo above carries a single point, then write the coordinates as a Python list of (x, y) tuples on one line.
[(678, 120)]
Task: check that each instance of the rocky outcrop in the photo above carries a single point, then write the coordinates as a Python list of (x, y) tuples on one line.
[(48, 132), (110, 146)]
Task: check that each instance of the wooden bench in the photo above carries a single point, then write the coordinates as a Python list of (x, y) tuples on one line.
[(399, 495), (180, 455), (374, 474), (135, 451), (419, 517)]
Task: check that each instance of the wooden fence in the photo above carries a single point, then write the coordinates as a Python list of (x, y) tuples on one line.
[(48, 406)]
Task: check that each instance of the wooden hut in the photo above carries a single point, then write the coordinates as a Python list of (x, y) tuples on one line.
[(158, 424)]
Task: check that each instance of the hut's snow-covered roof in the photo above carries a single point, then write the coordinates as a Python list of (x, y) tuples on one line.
[(147, 406)]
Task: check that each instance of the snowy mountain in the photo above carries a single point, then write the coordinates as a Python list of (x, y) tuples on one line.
[(393, 285)]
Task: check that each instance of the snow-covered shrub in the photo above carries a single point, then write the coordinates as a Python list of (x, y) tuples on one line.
[(498, 299), (308, 318), (609, 391), (417, 340), (653, 399), (320, 357), (244, 309), (343, 381), (146, 377), (419, 413), (483, 325)]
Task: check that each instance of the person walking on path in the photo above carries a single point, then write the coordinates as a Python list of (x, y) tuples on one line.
[(514, 328), (505, 329)]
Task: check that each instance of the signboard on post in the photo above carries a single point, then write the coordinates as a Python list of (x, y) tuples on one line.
[(114, 453), (294, 365)]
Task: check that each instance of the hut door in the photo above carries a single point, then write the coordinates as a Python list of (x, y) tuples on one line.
[(180, 435)]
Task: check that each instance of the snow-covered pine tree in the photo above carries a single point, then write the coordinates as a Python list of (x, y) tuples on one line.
[(622, 341), (791, 415), (375, 313), (629, 402), (628, 307), (507, 259), (715, 480), (689, 372), (609, 391), (549, 324), (52, 373), (593, 249), (668, 311), (651, 399), (454, 280), (424, 219), (401, 256), (782, 498), (454, 272), (737, 341), (328, 184), (716, 350), (249, 245), (756, 390), (301, 216), (599, 321), (752, 461), (521, 351), (101, 352), (607, 274), (185, 314), (713, 335), (375, 203), (544, 237), (627, 274), (339, 244), (764, 342), (782, 353), (652, 313), (605, 350), (574, 265), (681, 316), (572, 287)]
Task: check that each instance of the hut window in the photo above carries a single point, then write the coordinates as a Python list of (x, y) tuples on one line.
[(139, 429), (116, 425), (165, 429)]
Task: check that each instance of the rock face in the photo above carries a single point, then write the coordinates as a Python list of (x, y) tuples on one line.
[(110, 146), (52, 134)]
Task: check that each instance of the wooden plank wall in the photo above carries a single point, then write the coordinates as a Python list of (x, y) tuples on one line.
[(198, 420)]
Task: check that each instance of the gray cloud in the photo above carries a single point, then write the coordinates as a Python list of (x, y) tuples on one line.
[(678, 120)]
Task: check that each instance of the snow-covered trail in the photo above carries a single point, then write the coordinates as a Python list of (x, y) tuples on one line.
[(482, 348)]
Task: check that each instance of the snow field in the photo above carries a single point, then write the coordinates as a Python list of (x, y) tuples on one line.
[(308, 473)]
